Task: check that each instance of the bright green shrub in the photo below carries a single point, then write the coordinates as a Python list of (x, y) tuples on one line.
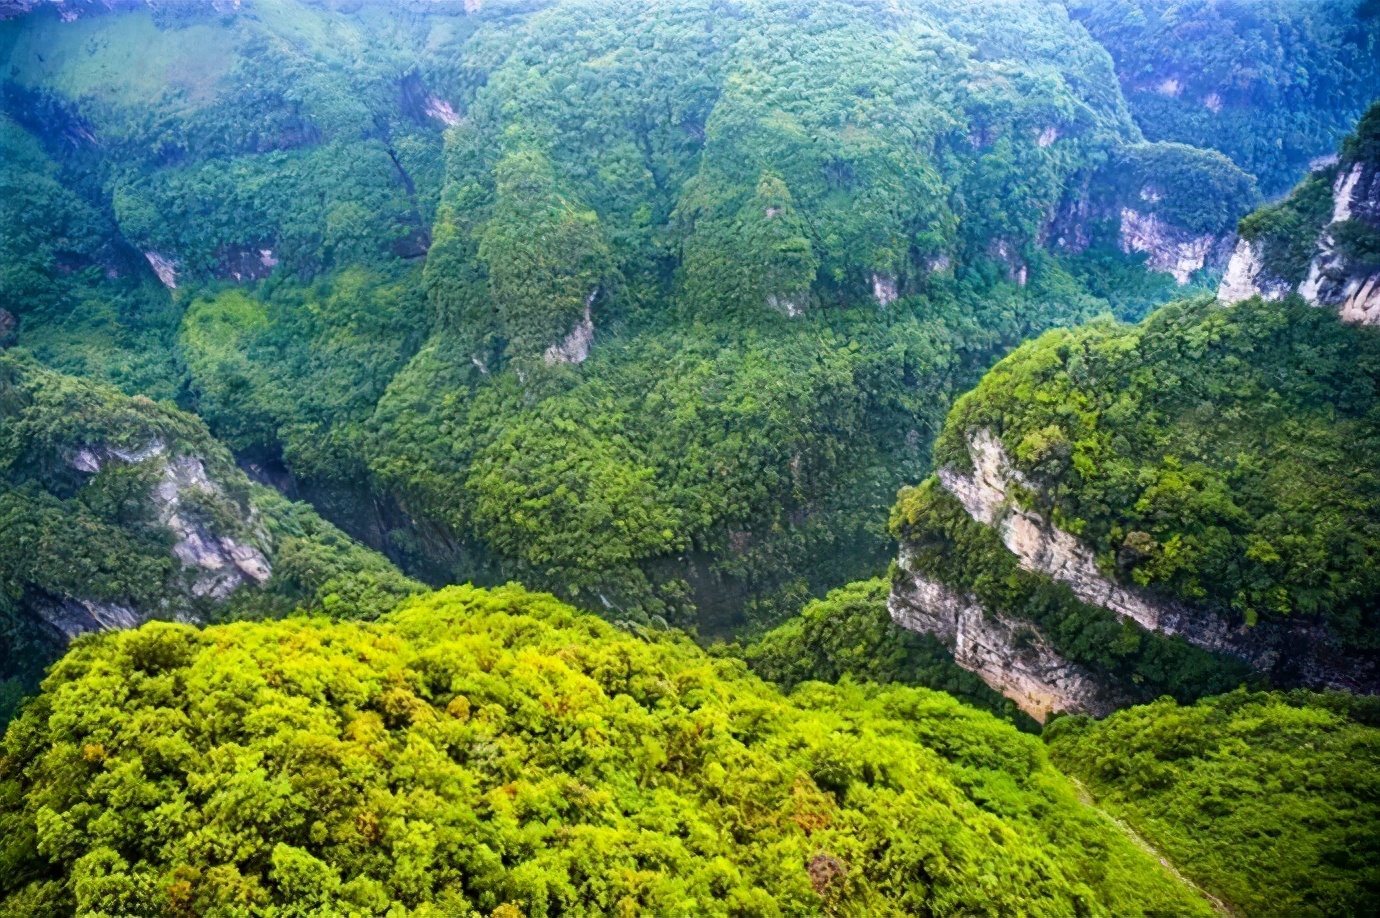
[(476, 750)]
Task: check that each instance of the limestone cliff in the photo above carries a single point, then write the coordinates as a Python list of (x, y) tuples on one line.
[(1341, 275), (117, 509), (1015, 658), (1247, 276), (216, 556), (1010, 656), (574, 347), (1171, 249), (1336, 278)]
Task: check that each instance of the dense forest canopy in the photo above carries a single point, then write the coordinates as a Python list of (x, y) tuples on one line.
[(307, 307), (1270, 83), (1220, 454), (480, 751), (395, 230), (1267, 798)]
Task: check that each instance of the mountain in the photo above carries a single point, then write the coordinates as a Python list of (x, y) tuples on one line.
[(1168, 508), (309, 307), (1323, 241), (652, 308), (498, 752), (116, 509), (1272, 84)]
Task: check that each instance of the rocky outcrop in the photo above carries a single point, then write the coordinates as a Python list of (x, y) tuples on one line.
[(245, 263), (884, 289), (574, 347), (164, 267), (1013, 658), (792, 307), (1246, 276), (1045, 549), (220, 563), (75, 617), (1017, 271), (1171, 250), (1333, 281), (216, 563), (1010, 656), (441, 110)]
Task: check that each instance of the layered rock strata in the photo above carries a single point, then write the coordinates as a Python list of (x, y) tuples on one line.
[(1015, 659)]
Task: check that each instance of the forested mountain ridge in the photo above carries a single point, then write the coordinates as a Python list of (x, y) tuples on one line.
[(114, 509), (1270, 83), (775, 242), (1200, 484), (1323, 241)]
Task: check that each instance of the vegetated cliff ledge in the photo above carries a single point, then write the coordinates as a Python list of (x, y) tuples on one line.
[(1010, 656), (1343, 272), (1013, 655), (115, 510)]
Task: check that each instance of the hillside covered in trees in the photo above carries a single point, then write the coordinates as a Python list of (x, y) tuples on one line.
[(693, 288), (311, 312), (477, 751)]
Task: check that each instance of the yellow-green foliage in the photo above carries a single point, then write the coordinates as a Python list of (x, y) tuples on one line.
[(475, 750), (1269, 800)]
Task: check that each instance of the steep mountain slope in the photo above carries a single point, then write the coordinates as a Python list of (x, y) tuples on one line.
[(114, 510), (1273, 84), (1268, 800), (500, 753), (1124, 511), (1323, 241), (691, 285)]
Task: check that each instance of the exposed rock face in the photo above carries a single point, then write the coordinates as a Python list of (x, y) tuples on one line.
[(884, 289), (440, 109), (1013, 658), (1008, 655), (1016, 269), (246, 263), (574, 348), (1246, 277), (217, 564), (791, 306), (74, 617), (1354, 291), (164, 267), (1171, 250), (1333, 281), (1046, 549), (224, 564), (1169, 87)]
